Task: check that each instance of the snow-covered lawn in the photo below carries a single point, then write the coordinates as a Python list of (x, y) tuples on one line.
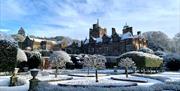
[(4, 84), (173, 76), (104, 81)]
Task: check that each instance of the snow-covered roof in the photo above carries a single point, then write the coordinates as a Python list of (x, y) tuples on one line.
[(99, 40), (53, 42), (37, 40), (139, 36), (126, 36)]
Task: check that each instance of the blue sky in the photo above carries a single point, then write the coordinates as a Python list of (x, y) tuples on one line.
[(73, 18)]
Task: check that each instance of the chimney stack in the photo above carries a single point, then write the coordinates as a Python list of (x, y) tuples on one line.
[(113, 31), (138, 32)]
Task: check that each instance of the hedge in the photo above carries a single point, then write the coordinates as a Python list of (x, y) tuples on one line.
[(143, 60), (8, 52)]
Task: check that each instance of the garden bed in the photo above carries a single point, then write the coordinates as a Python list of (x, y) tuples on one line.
[(52, 78), (104, 86), (91, 82), (160, 78), (130, 80), (87, 75)]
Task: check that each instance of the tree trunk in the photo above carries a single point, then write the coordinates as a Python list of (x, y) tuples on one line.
[(150, 70), (96, 76), (140, 70), (126, 71), (56, 72)]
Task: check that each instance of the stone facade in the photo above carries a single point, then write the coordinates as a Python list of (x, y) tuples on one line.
[(36, 44), (97, 31), (100, 43)]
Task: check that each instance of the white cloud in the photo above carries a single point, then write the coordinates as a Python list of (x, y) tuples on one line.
[(4, 30), (73, 18)]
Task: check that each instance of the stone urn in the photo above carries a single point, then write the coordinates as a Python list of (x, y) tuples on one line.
[(33, 82), (34, 73)]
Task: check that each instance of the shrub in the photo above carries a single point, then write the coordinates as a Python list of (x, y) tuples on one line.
[(8, 53), (76, 59), (172, 61), (59, 59), (173, 65), (143, 60), (22, 59), (34, 59)]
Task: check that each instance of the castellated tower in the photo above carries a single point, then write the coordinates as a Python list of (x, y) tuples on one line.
[(97, 31), (21, 32)]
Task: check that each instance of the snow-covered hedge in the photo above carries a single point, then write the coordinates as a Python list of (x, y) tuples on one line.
[(143, 60), (146, 50), (8, 52), (172, 61)]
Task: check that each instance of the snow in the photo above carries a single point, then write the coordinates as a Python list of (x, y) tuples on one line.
[(126, 36), (173, 76), (36, 40), (34, 70), (142, 54), (98, 40), (21, 56), (89, 81), (4, 82), (86, 75), (149, 81)]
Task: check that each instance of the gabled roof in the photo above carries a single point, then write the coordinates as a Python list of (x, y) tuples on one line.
[(126, 36)]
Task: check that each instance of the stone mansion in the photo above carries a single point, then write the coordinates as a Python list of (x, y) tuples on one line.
[(100, 43)]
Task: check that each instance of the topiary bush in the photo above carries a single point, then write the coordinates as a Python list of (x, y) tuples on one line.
[(143, 60), (34, 59), (8, 52), (22, 59)]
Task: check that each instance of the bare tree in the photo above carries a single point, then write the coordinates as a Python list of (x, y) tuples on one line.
[(98, 62), (126, 62), (59, 59), (87, 62)]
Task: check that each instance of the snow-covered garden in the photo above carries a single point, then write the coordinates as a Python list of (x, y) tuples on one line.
[(64, 82), (142, 70)]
